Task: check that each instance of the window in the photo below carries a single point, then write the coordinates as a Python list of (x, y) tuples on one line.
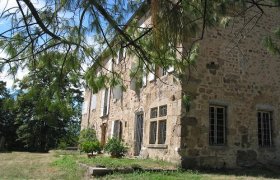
[(153, 132), (117, 129), (84, 107), (161, 132), (217, 131), (158, 125), (93, 102), (264, 129), (160, 71), (154, 112), (162, 110), (105, 102), (121, 55)]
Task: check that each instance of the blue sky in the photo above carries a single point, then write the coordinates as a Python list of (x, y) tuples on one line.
[(4, 25)]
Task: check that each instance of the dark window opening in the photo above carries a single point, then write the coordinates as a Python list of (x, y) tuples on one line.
[(264, 129), (217, 126), (153, 132), (162, 110), (161, 132), (154, 112)]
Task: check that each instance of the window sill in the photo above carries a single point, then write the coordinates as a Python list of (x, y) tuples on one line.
[(157, 146)]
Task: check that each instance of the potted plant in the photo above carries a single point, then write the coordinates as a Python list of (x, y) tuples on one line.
[(115, 147)]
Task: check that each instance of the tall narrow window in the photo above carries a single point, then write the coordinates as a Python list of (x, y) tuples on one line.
[(117, 129), (153, 132), (93, 102), (105, 102), (264, 129), (161, 132), (84, 107), (217, 120)]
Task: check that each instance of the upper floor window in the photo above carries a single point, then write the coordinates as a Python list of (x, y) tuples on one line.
[(105, 102), (121, 55), (160, 71), (154, 112), (162, 110), (84, 107), (217, 125), (93, 102), (265, 128)]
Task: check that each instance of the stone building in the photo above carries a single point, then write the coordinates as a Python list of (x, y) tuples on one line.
[(233, 120)]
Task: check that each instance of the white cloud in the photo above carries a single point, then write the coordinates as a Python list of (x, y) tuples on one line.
[(7, 4)]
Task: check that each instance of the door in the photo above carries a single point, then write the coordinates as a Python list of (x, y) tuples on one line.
[(138, 133), (103, 134)]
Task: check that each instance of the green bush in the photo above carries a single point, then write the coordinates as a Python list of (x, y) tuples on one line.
[(115, 147), (88, 141), (87, 135), (62, 145), (90, 146)]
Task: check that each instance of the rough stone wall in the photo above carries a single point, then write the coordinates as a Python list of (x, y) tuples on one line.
[(233, 70), (166, 91)]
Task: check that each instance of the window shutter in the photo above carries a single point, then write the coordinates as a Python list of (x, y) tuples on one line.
[(110, 65), (112, 129), (93, 101), (151, 75), (84, 107), (144, 78), (124, 53), (119, 57), (108, 102), (117, 92), (102, 102)]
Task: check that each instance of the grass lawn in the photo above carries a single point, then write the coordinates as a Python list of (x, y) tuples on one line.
[(127, 163), (63, 165), (25, 165)]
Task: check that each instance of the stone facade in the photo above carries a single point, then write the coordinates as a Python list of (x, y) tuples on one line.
[(236, 83)]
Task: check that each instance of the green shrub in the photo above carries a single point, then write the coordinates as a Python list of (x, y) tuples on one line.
[(62, 145), (115, 147), (87, 135), (90, 146), (88, 141)]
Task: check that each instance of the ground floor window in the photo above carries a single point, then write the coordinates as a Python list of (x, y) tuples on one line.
[(157, 132), (117, 129), (153, 132), (264, 129), (161, 131), (217, 123)]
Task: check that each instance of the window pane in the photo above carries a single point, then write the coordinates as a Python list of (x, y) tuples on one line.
[(153, 132), (217, 116), (162, 132), (264, 129), (154, 112), (162, 110), (212, 125)]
